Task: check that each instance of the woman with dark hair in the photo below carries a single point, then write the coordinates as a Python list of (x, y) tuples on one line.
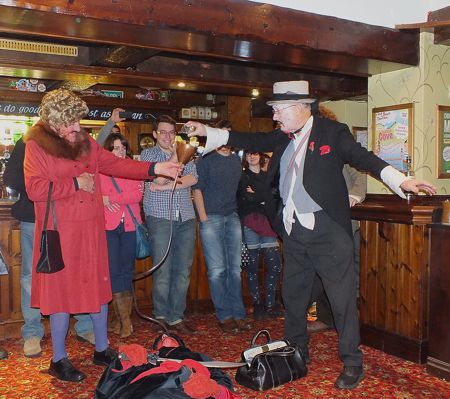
[(259, 236), (121, 234)]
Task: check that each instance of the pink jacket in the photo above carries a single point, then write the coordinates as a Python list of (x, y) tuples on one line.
[(131, 194)]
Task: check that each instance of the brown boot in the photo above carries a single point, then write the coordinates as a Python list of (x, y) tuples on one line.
[(114, 325), (125, 306)]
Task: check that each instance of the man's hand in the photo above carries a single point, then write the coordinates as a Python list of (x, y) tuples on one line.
[(171, 169), (115, 115), (86, 182), (415, 186), (200, 129)]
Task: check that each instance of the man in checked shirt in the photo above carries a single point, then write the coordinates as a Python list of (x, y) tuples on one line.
[(171, 280)]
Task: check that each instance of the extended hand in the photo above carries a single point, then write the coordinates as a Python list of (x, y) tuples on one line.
[(115, 115), (415, 186), (86, 182), (171, 169), (200, 129)]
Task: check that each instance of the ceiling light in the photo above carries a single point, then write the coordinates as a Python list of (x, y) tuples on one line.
[(181, 84)]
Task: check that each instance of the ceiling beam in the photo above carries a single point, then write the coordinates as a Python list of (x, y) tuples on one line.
[(166, 72), (236, 30)]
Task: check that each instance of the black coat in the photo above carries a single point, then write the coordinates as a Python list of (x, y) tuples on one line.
[(13, 177), (330, 146)]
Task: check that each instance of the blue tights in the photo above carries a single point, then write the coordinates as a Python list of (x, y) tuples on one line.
[(59, 325)]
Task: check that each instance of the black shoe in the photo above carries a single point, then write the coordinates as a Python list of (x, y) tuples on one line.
[(182, 328), (350, 377), (258, 312), (275, 311), (105, 358), (3, 353), (63, 370)]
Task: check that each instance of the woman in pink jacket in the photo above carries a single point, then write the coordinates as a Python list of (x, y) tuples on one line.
[(121, 234)]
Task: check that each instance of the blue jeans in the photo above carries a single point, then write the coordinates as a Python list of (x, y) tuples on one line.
[(221, 238), (32, 316), (121, 254), (171, 280)]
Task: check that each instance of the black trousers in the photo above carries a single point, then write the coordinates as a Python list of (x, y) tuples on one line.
[(328, 251)]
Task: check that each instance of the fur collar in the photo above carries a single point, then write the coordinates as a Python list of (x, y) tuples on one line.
[(56, 146)]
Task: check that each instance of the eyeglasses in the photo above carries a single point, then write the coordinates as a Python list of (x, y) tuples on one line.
[(166, 132), (249, 154), (278, 110)]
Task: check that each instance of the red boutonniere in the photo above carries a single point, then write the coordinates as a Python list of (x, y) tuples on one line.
[(325, 149), (311, 146)]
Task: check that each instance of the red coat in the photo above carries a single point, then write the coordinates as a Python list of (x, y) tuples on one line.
[(84, 284), (131, 195)]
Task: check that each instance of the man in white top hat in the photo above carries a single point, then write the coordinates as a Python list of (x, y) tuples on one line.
[(309, 154)]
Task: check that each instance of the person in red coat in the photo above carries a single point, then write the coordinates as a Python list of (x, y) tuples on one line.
[(121, 234), (59, 151)]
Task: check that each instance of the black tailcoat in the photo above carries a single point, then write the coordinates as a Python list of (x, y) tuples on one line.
[(330, 146)]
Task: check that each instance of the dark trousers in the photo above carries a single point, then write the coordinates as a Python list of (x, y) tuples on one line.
[(328, 251), (323, 307), (122, 255)]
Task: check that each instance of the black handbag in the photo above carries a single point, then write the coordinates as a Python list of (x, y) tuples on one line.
[(270, 365), (245, 255), (143, 247), (50, 259)]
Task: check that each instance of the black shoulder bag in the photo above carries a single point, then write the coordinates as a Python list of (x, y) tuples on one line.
[(50, 260)]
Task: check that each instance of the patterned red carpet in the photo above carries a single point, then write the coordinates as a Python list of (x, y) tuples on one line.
[(386, 376)]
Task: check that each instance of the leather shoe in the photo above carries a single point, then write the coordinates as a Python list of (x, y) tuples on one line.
[(182, 328), (317, 326), (228, 326), (105, 358), (3, 353), (32, 347), (242, 325), (88, 338), (63, 370), (350, 377), (273, 312)]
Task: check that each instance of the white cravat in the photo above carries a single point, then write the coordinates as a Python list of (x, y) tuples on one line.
[(306, 219)]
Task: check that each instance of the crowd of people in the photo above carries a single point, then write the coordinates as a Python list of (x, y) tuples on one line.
[(268, 203)]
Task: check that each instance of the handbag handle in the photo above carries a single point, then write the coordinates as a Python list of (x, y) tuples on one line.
[(47, 208), (128, 207), (256, 336), (286, 351)]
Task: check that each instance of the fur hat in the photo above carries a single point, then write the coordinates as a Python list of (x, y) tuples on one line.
[(61, 107), (291, 92)]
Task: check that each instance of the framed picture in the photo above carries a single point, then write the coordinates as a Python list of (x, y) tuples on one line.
[(392, 130), (361, 135), (443, 142)]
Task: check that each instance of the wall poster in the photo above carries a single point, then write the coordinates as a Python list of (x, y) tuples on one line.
[(392, 129), (443, 142)]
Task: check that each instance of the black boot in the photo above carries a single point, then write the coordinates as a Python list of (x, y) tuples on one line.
[(3, 353), (258, 312), (106, 357), (63, 370), (350, 377)]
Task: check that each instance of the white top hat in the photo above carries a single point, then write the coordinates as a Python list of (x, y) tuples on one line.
[(291, 92)]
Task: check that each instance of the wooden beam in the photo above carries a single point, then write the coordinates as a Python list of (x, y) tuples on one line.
[(238, 30), (166, 72)]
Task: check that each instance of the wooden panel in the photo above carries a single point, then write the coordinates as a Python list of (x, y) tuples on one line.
[(438, 362), (239, 110), (394, 288)]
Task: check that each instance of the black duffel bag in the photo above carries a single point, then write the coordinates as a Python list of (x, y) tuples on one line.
[(270, 365)]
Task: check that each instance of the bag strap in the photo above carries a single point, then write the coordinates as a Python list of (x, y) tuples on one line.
[(256, 336), (128, 207), (47, 209)]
